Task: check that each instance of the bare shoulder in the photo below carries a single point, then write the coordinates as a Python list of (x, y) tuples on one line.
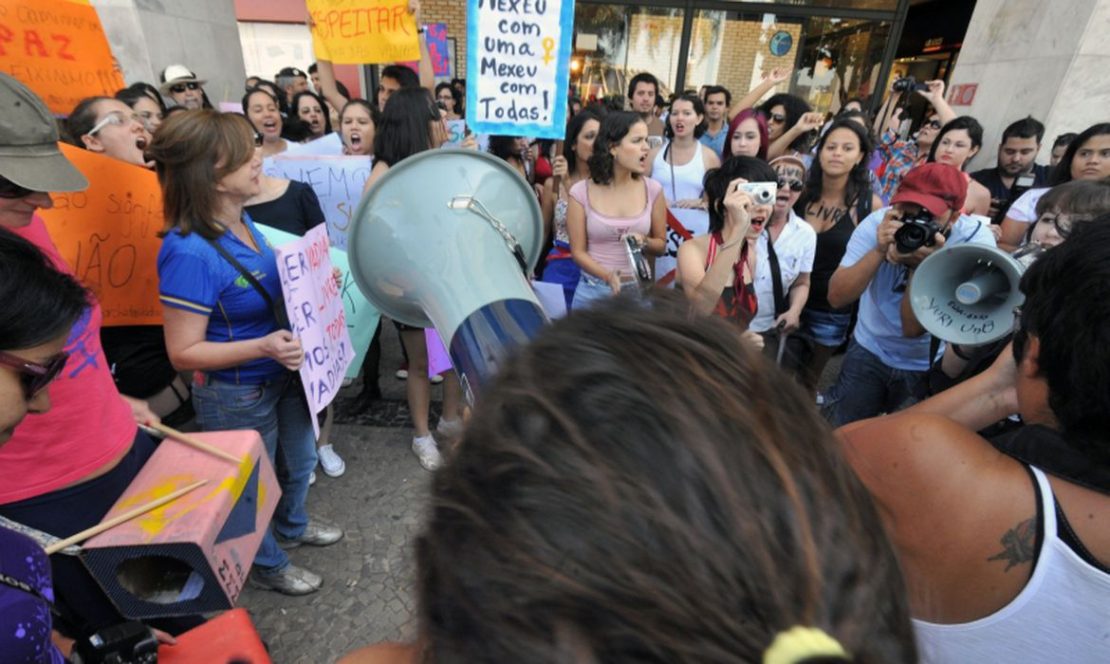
[(709, 155)]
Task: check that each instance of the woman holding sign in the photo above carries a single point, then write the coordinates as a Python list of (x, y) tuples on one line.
[(224, 320), (412, 124)]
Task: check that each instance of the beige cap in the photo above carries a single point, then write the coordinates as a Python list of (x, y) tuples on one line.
[(29, 154)]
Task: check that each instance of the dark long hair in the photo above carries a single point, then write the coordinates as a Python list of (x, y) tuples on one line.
[(859, 179), (795, 107), (40, 303), (1062, 172), (455, 94), (967, 123), (596, 514), (503, 147), (136, 91), (614, 127), (405, 128), (83, 119), (699, 109), (295, 108), (716, 184), (574, 128)]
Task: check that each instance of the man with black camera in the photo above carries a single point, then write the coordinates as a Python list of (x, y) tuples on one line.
[(889, 355), (1017, 170)]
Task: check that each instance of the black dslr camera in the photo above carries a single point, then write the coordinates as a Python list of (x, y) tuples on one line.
[(907, 84), (917, 230), (126, 643)]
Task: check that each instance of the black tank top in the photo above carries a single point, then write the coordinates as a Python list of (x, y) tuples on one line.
[(831, 246)]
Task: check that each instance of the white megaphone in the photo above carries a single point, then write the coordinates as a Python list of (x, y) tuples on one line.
[(967, 294), (447, 239)]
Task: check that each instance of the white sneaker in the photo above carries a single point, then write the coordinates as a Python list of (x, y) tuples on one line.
[(427, 451), (312, 478), (449, 428), (402, 373), (331, 462), (436, 379)]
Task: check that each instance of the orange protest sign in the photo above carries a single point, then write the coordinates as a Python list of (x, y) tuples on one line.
[(109, 236), (360, 32), (57, 49)]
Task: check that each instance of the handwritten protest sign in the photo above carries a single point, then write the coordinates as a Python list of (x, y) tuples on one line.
[(337, 182), (314, 304), (109, 236), (362, 317), (57, 49), (518, 57), (357, 32), (436, 39)]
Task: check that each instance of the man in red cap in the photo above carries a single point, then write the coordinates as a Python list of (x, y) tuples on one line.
[(885, 366)]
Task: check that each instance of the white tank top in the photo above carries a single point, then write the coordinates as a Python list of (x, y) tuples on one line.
[(685, 183), (1062, 614)]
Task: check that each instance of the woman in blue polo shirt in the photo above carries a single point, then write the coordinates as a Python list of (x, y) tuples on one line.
[(219, 287)]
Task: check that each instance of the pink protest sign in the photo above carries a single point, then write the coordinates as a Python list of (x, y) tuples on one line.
[(436, 38), (315, 308)]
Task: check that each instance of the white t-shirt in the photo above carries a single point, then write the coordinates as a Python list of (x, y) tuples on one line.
[(795, 249), (1024, 208)]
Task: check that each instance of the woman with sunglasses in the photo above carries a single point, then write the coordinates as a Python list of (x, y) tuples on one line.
[(41, 307), (63, 473), (837, 197)]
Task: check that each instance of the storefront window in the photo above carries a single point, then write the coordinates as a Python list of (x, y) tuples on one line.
[(613, 43)]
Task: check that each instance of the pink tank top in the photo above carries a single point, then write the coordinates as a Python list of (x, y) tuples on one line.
[(88, 424), (603, 233)]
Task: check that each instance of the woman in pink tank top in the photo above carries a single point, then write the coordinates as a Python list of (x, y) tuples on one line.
[(615, 202)]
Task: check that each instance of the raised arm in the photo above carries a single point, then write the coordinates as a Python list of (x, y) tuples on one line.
[(749, 100), (808, 122), (328, 88), (427, 72)]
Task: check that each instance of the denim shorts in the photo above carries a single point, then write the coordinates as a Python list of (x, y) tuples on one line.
[(826, 328)]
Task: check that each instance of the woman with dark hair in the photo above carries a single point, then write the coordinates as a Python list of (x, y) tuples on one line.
[(1087, 158), (312, 111), (143, 98), (1065, 206), (747, 135), (791, 125), (741, 533), (261, 108), (617, 201), (41, 308), (568, 169), (837, 197), (357, 123), (512, 149), (717, 270), (679, 166), (108, 126), (219, 287), (411, 124), (277, 93), (451, 99), (956, 144)]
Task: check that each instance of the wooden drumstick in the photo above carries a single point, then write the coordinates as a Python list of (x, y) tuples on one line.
[(191, 441), (126, 516), (556, 150)]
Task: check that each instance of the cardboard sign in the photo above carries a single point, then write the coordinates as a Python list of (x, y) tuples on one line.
[(58, 49), (109, 235), (337, 182), (357, 32), (362, 317), (456, 133), (314, 304), (518, 60), (436, 38)]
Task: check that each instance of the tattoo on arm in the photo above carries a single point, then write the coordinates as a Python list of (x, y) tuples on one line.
[(1018, 545)]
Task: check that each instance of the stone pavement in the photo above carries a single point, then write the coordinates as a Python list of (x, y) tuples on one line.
[(369, 577)]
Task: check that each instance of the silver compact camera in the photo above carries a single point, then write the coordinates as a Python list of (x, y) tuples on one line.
[(762, 193)]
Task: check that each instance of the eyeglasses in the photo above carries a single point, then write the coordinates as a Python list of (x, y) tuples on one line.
[(792, 184), (1064, 223), (114, 118), (778, 117), (34, 377), (182, 87), (9, 189)]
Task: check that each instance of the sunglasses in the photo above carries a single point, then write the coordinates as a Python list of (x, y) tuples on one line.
[(778, 117), (182, 87), (933, 124), (34, 377), (115, 118), (792, 184), (9, 189)]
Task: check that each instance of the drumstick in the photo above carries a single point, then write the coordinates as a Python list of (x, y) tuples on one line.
[(556, 150), (126, 516), (191, 441)]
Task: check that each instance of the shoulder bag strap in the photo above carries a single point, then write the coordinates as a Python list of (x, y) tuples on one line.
[(776, 276), (279, 312)]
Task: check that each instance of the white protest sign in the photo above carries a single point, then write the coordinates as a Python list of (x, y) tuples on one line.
[(337, 182), (518, 60), (314, 305), (328, 145)]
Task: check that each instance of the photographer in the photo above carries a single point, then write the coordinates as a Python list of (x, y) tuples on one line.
[(899, 154), (888, 357), (1007, 555)]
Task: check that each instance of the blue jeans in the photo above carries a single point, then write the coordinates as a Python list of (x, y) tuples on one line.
[(866, 387), (278, 412)]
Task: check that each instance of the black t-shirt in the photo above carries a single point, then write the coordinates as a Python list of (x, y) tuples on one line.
[(297, 211), (137, 358), (992, 180)]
